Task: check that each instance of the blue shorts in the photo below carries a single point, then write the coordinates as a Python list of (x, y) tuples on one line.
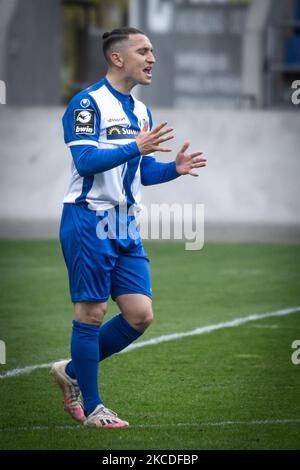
[(99, 267)]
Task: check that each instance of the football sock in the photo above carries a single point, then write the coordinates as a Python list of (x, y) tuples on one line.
[(85, 362), (115, 335), (70, 370)]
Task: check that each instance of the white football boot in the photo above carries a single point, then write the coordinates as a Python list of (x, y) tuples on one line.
[(70, 390), (102, 417)]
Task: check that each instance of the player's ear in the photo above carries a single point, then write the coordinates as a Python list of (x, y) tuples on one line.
[(116, 59)]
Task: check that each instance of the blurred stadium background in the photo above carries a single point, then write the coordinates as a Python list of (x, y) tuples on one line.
[(223, 79)]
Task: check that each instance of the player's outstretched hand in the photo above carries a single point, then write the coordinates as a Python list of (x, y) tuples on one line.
[(186, 162), (149, 142)]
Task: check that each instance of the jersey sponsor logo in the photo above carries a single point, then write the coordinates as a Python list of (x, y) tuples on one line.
[(122, 119), (85, 103), (84, 121), (119, 132), (84, 117)]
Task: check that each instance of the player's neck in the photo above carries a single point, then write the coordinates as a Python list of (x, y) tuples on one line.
[(119, 83)]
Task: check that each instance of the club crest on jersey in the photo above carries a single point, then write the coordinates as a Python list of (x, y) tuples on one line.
[(85, 103), (119, 132), (84, 121)]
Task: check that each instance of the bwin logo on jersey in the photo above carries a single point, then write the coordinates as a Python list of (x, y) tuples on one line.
[(84, 121), (119, 132)]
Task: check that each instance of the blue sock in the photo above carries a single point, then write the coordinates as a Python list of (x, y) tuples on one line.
[(85, 362), (70, 370), (115, 335)]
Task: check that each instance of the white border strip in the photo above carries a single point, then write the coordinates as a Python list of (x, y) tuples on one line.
[(162, 339), (83, 142)]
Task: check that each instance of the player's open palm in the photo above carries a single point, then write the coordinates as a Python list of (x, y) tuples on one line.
[(149, 142), (187, 162)]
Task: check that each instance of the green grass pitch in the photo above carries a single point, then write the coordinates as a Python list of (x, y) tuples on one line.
[(234, 388)]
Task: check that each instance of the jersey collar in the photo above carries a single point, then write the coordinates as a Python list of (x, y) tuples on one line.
[(120, 96)]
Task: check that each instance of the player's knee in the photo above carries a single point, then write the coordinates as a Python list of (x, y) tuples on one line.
[(90, 313), (96, 316), (144, 319)]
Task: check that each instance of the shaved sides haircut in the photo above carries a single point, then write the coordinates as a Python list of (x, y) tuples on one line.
[(119, 35)]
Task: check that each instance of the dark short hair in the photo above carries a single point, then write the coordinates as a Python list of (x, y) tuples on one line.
[(117, 35)]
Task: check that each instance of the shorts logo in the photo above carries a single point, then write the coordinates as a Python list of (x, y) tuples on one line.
[(119, 132), (85, 103), (84, 121)]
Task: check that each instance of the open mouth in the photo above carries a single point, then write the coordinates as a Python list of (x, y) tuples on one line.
[(148, 71)]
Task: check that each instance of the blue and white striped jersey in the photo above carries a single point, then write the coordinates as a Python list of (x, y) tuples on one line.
[(100, 127), (102, 117)]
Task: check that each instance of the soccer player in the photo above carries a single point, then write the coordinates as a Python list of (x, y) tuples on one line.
[(111, 137)]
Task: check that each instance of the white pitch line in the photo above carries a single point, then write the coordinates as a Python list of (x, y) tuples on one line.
[(263, 422), (25, 370), (209, 328), (162, 339)]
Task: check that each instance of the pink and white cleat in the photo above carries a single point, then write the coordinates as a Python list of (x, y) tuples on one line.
[(70, 389), (102, 417)]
